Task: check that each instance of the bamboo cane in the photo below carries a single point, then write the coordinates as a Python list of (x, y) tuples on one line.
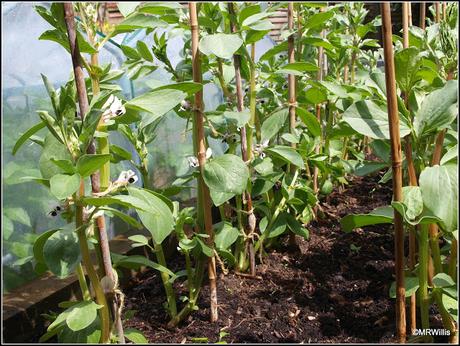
[(244, 146), (444, 10), (393, 118), (69, 18), (412, 177), (409, 13), (437, 7), (422, 15), (201, 155)]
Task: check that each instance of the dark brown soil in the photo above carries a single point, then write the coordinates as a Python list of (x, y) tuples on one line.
[(326, 293)]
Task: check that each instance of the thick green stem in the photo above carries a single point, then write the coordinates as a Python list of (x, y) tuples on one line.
[(170, 295), (452, 269), (424, 299), (435, 253), (252, 103), (82, 281)]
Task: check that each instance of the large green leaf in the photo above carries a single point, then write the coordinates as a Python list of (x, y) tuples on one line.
[(88, 164), (139, 21), (40, 243), (226, 235), (439, 187), (273, 123), (411, 284), (368, 119), (158, 218), (62, 253), (318, 19), (81, 315), (221, 45), (157, 103), (26, 135), (310, 121), (63, 185), (438, 109), (451, 306), (407, 67), (443, 280), (377, 216), (137, 261), (188, 87), (52, 149), (297, 68), (227, 173), (287, 154), (135, 336)]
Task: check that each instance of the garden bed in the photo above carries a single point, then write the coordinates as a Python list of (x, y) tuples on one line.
[(334, 290)]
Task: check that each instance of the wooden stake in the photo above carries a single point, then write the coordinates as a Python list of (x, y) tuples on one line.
[(201, 155), (437, 7), (444, 10), (409, 13), (422, 15), (405, 23), (69, 18), (393, 118), (251, 224)]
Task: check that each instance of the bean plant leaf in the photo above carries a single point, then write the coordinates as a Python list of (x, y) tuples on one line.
[(297, 68), (412, 199), (136, 260), (82, 315), (63, 185), (377, 216), (135, 336), (227, 173), (26, 135), (62, 253), (411, 284), (310, 121), (407, 67), (89, 163), (443, 280), (273, 123), (451, 154), (439, 188), (287, 154), (225, 235), (438, 109), (451, 306), (221, 45), (369, 119), (158, 218), (52, 149), (40, 243), (156, 103)]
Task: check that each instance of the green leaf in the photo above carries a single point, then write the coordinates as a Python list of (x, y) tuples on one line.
[(144, 51), (411, 284), (157, 103), (18, 215), (297, 68), (438, 109), (82, 315), (439, 187), (219, 197), (412, 199), (26, 135), (278, 227), (205, 249), (52, 149), (318, 19), (368, 119), (62, 253), (315, 95), (125, 217), (40, 243), (89, 163), (126, 8), (451, 154), (221, 45), (158, 218), (63, 186), (377, 216), (140, 239), (239, 119), (227, 173), (225, 235), (135, 336), (190, 88), (277, 49), (136, 260), (451, 306), (119, 154), (287, 154), (60, 37), (407, 67), (296, 227), (310, 121), (139, 21), (273, 123), (443, 280), (123, 200)]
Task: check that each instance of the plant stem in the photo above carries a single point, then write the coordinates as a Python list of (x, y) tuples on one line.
[(244, 143), (424, 299), (82, 281), (252, 102), (170, 295), (201, 154), (452, 268), (393, 118)]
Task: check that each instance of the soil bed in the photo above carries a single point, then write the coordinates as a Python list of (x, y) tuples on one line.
[(335, 290)]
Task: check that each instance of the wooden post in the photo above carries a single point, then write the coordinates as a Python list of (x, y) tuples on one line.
[(422, 15), (409, 13), (437, 7), (69, 18), (412, 176), (201, 155), (393, 118), (444, 10)]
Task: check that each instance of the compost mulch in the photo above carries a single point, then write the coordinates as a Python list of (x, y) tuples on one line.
[(333, 289)]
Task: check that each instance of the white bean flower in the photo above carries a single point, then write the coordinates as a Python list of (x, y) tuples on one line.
[(126, 177), (193, 160), (259, 148), (112, 108)]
